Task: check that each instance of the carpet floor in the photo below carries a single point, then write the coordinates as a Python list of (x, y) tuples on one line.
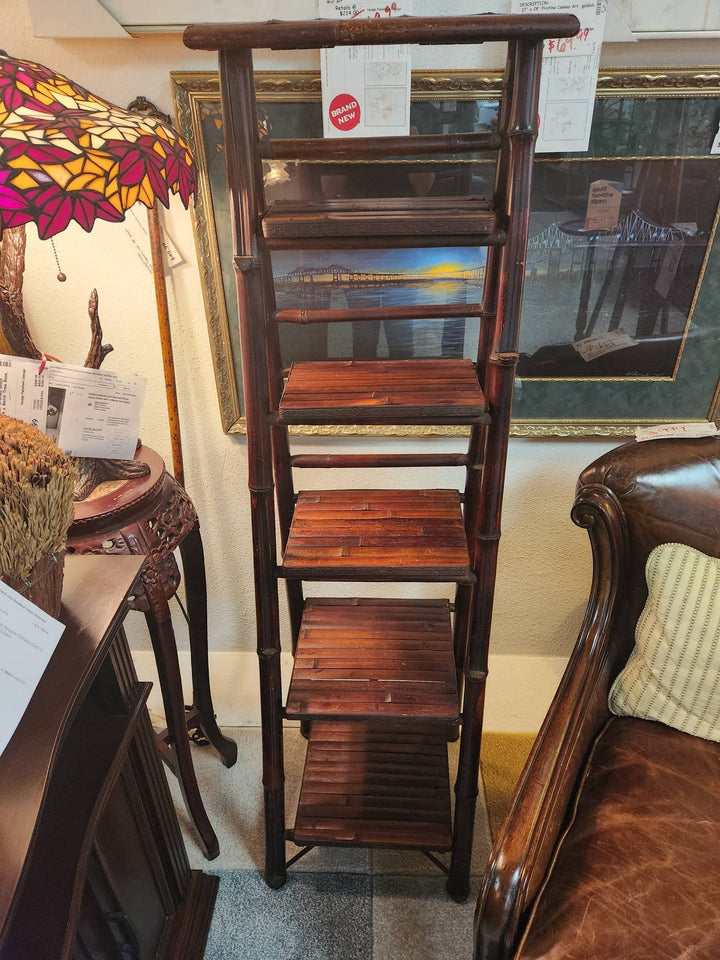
[(338, 904)]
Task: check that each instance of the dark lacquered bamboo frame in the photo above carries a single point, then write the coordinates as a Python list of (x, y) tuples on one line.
[(270, 462)]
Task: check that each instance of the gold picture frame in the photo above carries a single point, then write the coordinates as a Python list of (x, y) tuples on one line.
[(686, 100)]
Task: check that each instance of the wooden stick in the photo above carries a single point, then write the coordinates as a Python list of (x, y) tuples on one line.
[(313, 34), (158, 268)]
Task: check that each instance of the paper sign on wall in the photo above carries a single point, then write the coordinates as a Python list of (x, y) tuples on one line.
[(365, 89), (569, 75)]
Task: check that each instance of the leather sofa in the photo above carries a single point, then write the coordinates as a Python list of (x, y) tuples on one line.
[(611, 850)]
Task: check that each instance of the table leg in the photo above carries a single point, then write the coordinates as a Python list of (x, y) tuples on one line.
[(163, 641), (193, 561)]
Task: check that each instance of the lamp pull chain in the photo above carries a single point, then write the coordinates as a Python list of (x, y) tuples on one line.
[(60, 275)]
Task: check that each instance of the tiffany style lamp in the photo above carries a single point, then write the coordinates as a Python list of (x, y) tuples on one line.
[(68, 155)]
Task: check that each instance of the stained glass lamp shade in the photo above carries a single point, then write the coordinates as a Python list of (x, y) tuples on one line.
[(66, 154)]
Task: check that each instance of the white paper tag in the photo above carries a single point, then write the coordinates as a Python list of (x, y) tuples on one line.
[(138, 232), (365, 89), (90, 413), (569, 75), (98, 412), (715, 146), (592, 347), (701, 428), (28, 637), (23, 390), (603, 206)]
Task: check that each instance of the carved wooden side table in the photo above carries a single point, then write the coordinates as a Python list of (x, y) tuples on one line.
[(150, 516)]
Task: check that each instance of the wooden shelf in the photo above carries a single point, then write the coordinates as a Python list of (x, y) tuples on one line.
[(376, 392), (386, 222), (374, 659), (375, 680), (378, 535), (370, 786)]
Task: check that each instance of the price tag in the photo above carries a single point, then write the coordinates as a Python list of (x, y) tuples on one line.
[(365, 89), (569, 75), (593, 347)]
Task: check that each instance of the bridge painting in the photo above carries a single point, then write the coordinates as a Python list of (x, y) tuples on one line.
[(578, 285), (411, 268)]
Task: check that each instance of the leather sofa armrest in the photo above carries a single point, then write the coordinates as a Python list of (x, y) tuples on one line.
[(525, 845)]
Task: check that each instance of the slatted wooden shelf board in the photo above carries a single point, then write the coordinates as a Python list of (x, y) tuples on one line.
[(374, 659), (381, 535), (389, 391), (385, 222), (367, 785)]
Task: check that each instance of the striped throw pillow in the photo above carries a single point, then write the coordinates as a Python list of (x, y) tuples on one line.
[(673, 673)]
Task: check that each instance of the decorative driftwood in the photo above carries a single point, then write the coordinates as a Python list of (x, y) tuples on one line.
[(98, 350)]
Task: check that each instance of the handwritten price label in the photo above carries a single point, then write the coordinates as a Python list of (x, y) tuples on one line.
[(568, 44), (375, 13)]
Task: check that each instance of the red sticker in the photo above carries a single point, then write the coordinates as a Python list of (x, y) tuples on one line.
[(344, 112)]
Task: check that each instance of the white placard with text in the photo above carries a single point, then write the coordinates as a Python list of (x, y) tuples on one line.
[(569, 75), (28, 638), (365, 89), (90, 413)]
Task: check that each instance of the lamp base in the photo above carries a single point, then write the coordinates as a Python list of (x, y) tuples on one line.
[(93, 471)]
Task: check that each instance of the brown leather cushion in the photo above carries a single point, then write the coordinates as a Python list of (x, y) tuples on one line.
[(637, 875)]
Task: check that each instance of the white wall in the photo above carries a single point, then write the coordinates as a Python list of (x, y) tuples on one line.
[(544, 560)]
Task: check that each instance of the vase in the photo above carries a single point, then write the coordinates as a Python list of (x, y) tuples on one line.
[(43, 585)]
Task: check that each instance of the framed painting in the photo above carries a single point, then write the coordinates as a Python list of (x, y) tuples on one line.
[(621, 316)]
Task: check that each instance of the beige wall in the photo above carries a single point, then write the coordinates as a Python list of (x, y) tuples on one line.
[(544, 560)]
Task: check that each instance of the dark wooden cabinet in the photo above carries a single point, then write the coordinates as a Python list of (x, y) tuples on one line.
[(92, 863)]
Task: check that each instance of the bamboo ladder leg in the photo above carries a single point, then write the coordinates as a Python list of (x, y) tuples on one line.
[(244, 174), (499, 386), (285, 490), (465, 593)]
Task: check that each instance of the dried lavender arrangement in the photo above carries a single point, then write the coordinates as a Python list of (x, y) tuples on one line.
[(36, 510)]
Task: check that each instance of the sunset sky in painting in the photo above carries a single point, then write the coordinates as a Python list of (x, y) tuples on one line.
[(439, 261)]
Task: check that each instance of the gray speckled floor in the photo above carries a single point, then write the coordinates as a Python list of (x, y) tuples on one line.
[(338, 904)]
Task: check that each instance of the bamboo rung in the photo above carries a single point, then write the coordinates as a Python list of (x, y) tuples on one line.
[(366, 785), (420, 311), (376, 392), (369, 460), (374, 659)]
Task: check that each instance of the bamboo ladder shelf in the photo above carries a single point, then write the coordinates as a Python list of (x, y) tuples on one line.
[(378, 683)]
